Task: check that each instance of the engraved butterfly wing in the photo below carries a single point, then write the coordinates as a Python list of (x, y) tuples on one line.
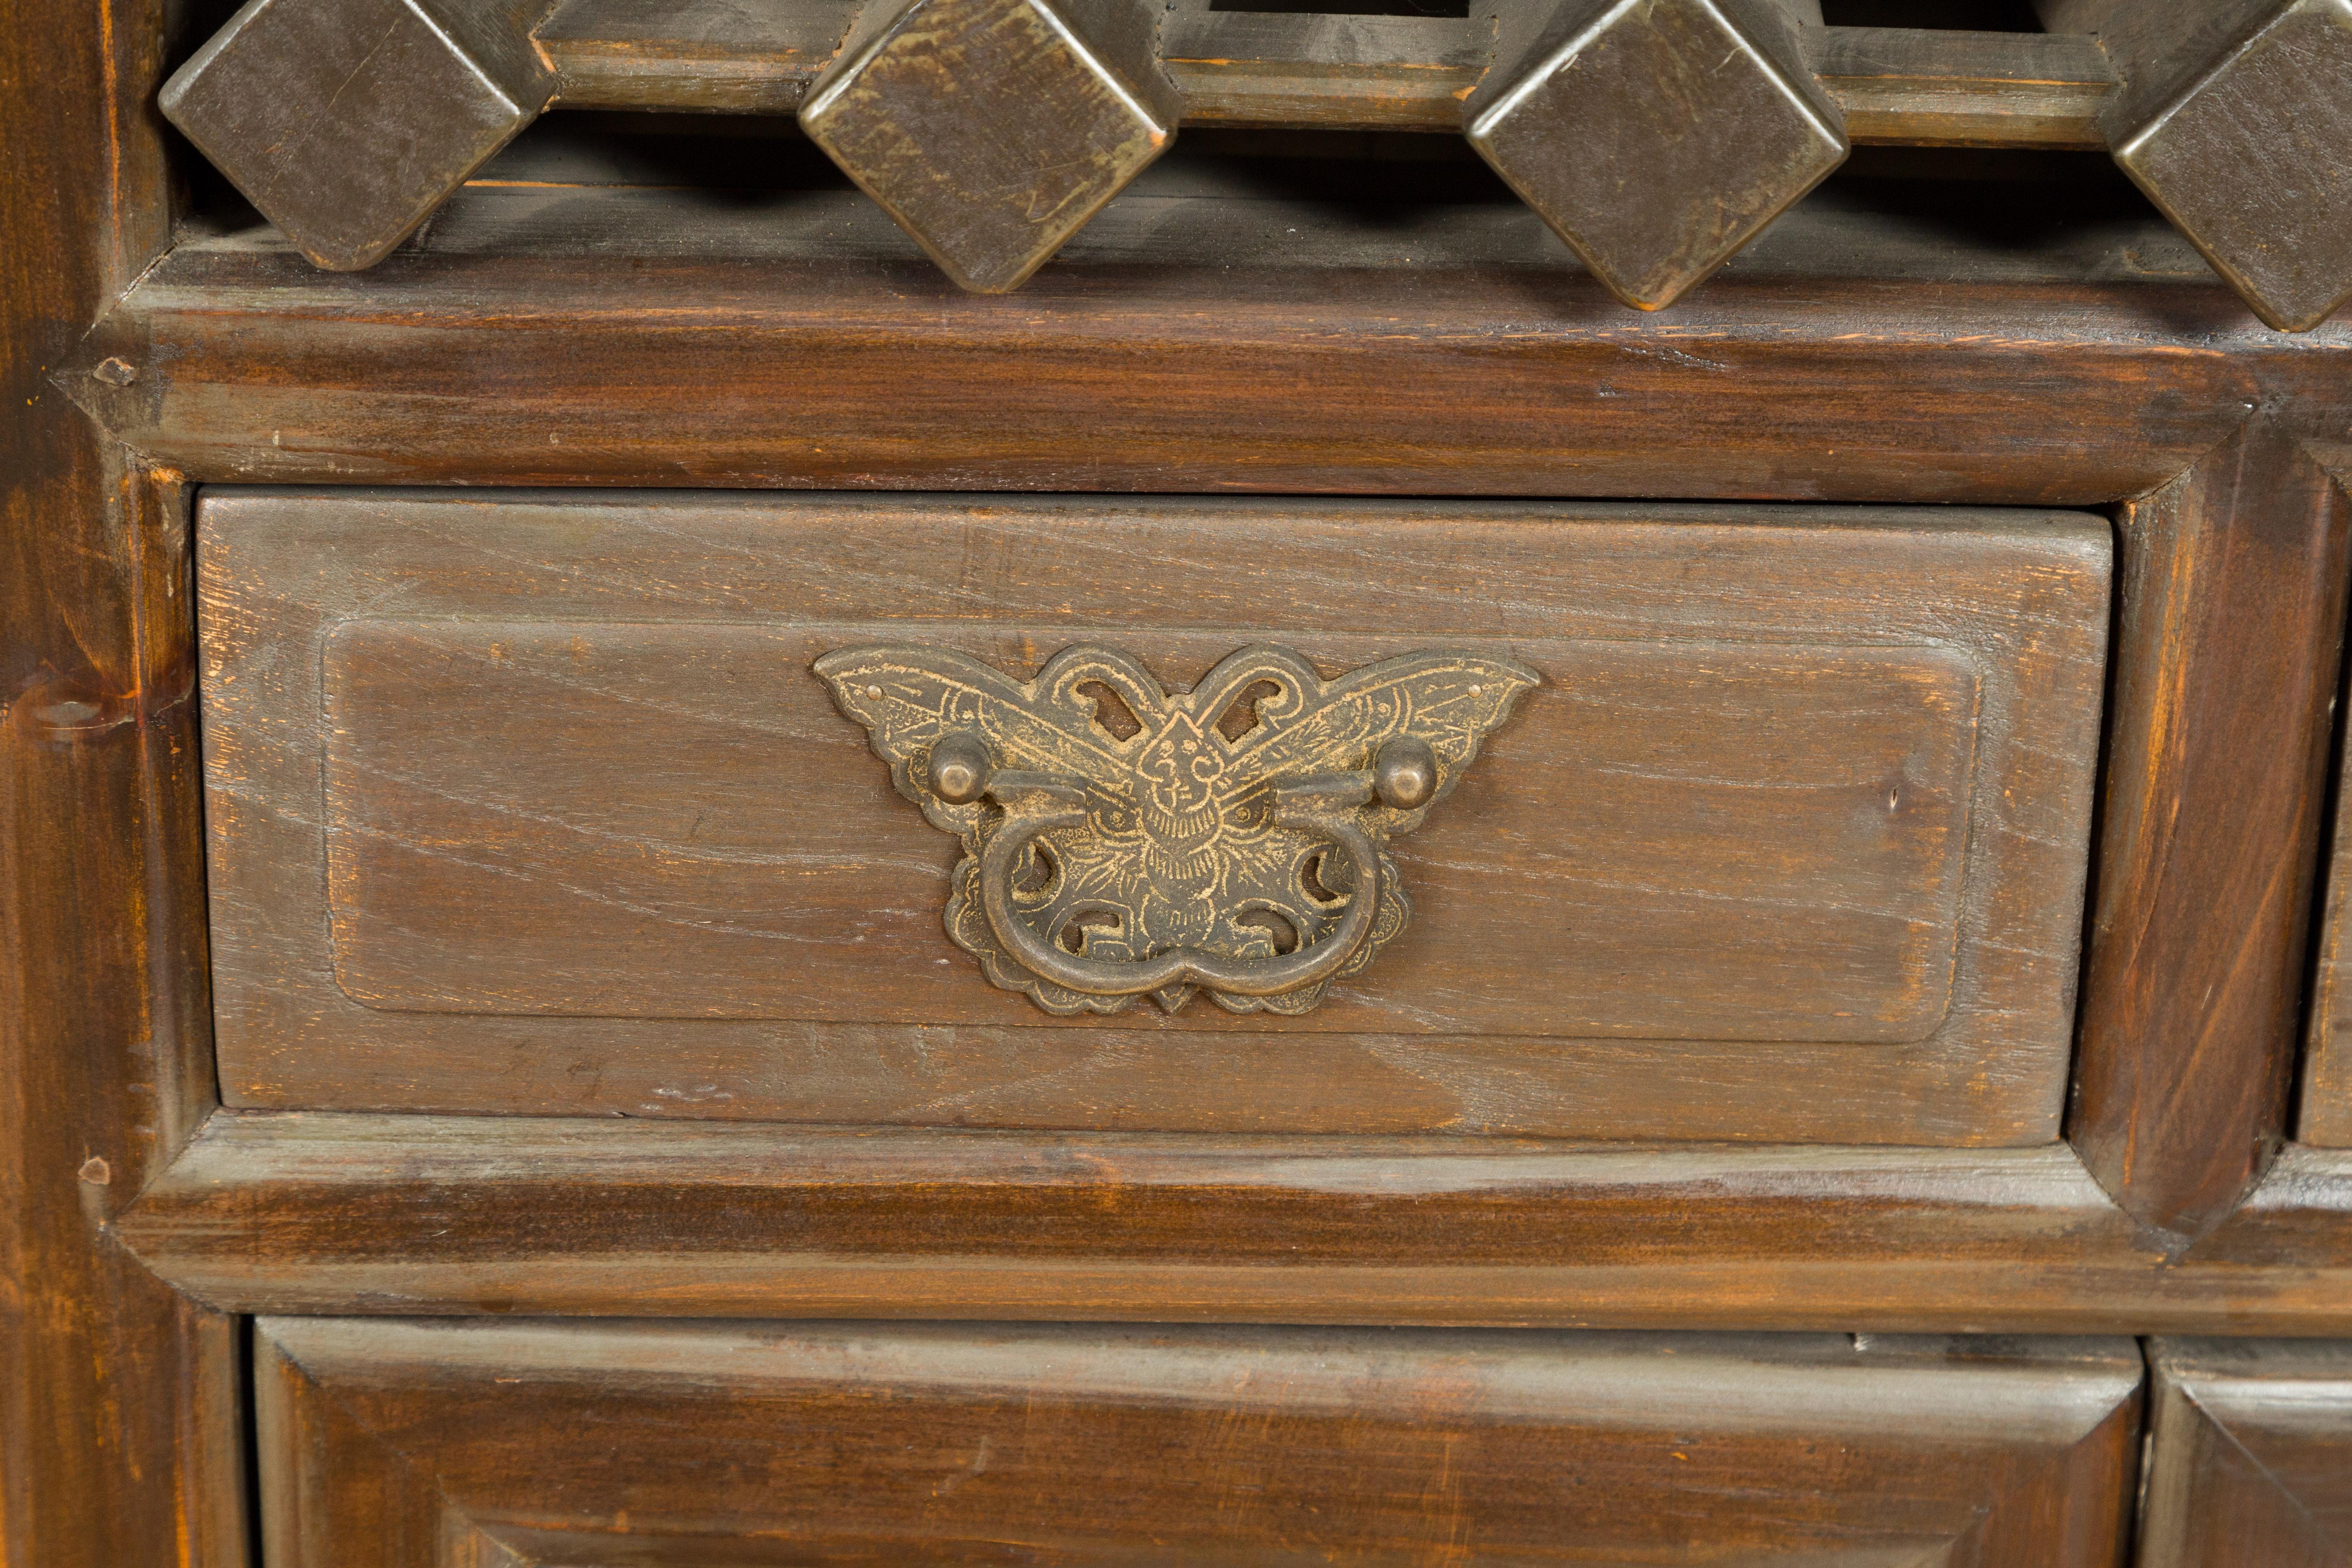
[(1450, 700), (906, 698)]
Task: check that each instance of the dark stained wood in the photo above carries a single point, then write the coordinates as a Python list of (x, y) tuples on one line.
[(1908, 86), (2235, 117), (2227, 648), (307, 1212), (1656, 139), (800, 342), (2252, 1453), (1790, 846), (1897, 85), (404, 1444), (349, 122), (120, 1430), (990, 130), (1322, 70), (706, 56)]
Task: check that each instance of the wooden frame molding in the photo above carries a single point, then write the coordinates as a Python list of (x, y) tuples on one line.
[(2178, 1107), (121, 1405), (307, 1212), (1393, 73), (488, 355), (395, 1444), (1844, 388)]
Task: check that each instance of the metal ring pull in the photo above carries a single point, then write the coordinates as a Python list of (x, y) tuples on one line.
[(1324, 806)]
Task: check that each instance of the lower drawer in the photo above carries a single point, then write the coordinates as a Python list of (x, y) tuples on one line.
[(2250, 1453), (393, 1444)]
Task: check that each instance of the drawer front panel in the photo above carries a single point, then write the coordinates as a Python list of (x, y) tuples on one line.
[(524, 805), (388, 1443), (731, 858), (2250, 1456)]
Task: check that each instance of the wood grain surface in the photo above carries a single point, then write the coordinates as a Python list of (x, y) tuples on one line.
[(310, 1212), (1899, 83), (2228, 653), (399, 1445), (121, 1400), (1787, 846), (1227, 329), (2250, 1457), (1917, 87)]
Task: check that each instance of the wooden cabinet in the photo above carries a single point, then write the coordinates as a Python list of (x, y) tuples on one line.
[(584, 1011), (1775, 828), (399, 1443), (2250, 1457)]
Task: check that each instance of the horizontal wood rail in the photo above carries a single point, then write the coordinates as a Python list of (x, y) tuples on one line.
[(1656, 140), (1305, 70), (307, 1212)]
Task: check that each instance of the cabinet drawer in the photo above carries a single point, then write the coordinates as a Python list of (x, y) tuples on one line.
[(1756, 822), (2250, 1457), (389, 1444)]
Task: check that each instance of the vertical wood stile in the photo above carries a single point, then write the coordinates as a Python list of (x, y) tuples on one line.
[(118, 1401), (2232, 589)]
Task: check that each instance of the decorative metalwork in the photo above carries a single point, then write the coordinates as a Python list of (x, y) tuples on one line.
[(1124, 840)]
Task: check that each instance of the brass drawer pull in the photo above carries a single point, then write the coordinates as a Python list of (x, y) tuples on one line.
[(1123, 840)]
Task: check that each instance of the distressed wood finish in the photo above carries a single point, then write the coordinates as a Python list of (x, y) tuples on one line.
[(2235, 117), (1656, 139), (303, 1212), (1793, 375), (119, 1399), (1901, 86), (1843, 356), (592, 839), (2251, 1456), (703, 55), (349, 122), (2232, 626), (401, 1445), (990, 130)]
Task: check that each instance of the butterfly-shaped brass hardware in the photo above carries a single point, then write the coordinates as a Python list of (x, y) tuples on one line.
[(1123, 840)]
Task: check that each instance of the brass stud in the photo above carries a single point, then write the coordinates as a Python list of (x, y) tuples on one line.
[(958, 769), (1404, 774)]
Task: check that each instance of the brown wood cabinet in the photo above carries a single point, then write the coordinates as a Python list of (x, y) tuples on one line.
[(675, 893)]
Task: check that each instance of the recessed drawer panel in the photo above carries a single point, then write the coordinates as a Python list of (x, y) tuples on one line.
[(1748, 823), (387, 1444)]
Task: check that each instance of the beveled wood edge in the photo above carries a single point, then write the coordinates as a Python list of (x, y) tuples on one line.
[(2195, 982), (309, 1213), (1125, 408)]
